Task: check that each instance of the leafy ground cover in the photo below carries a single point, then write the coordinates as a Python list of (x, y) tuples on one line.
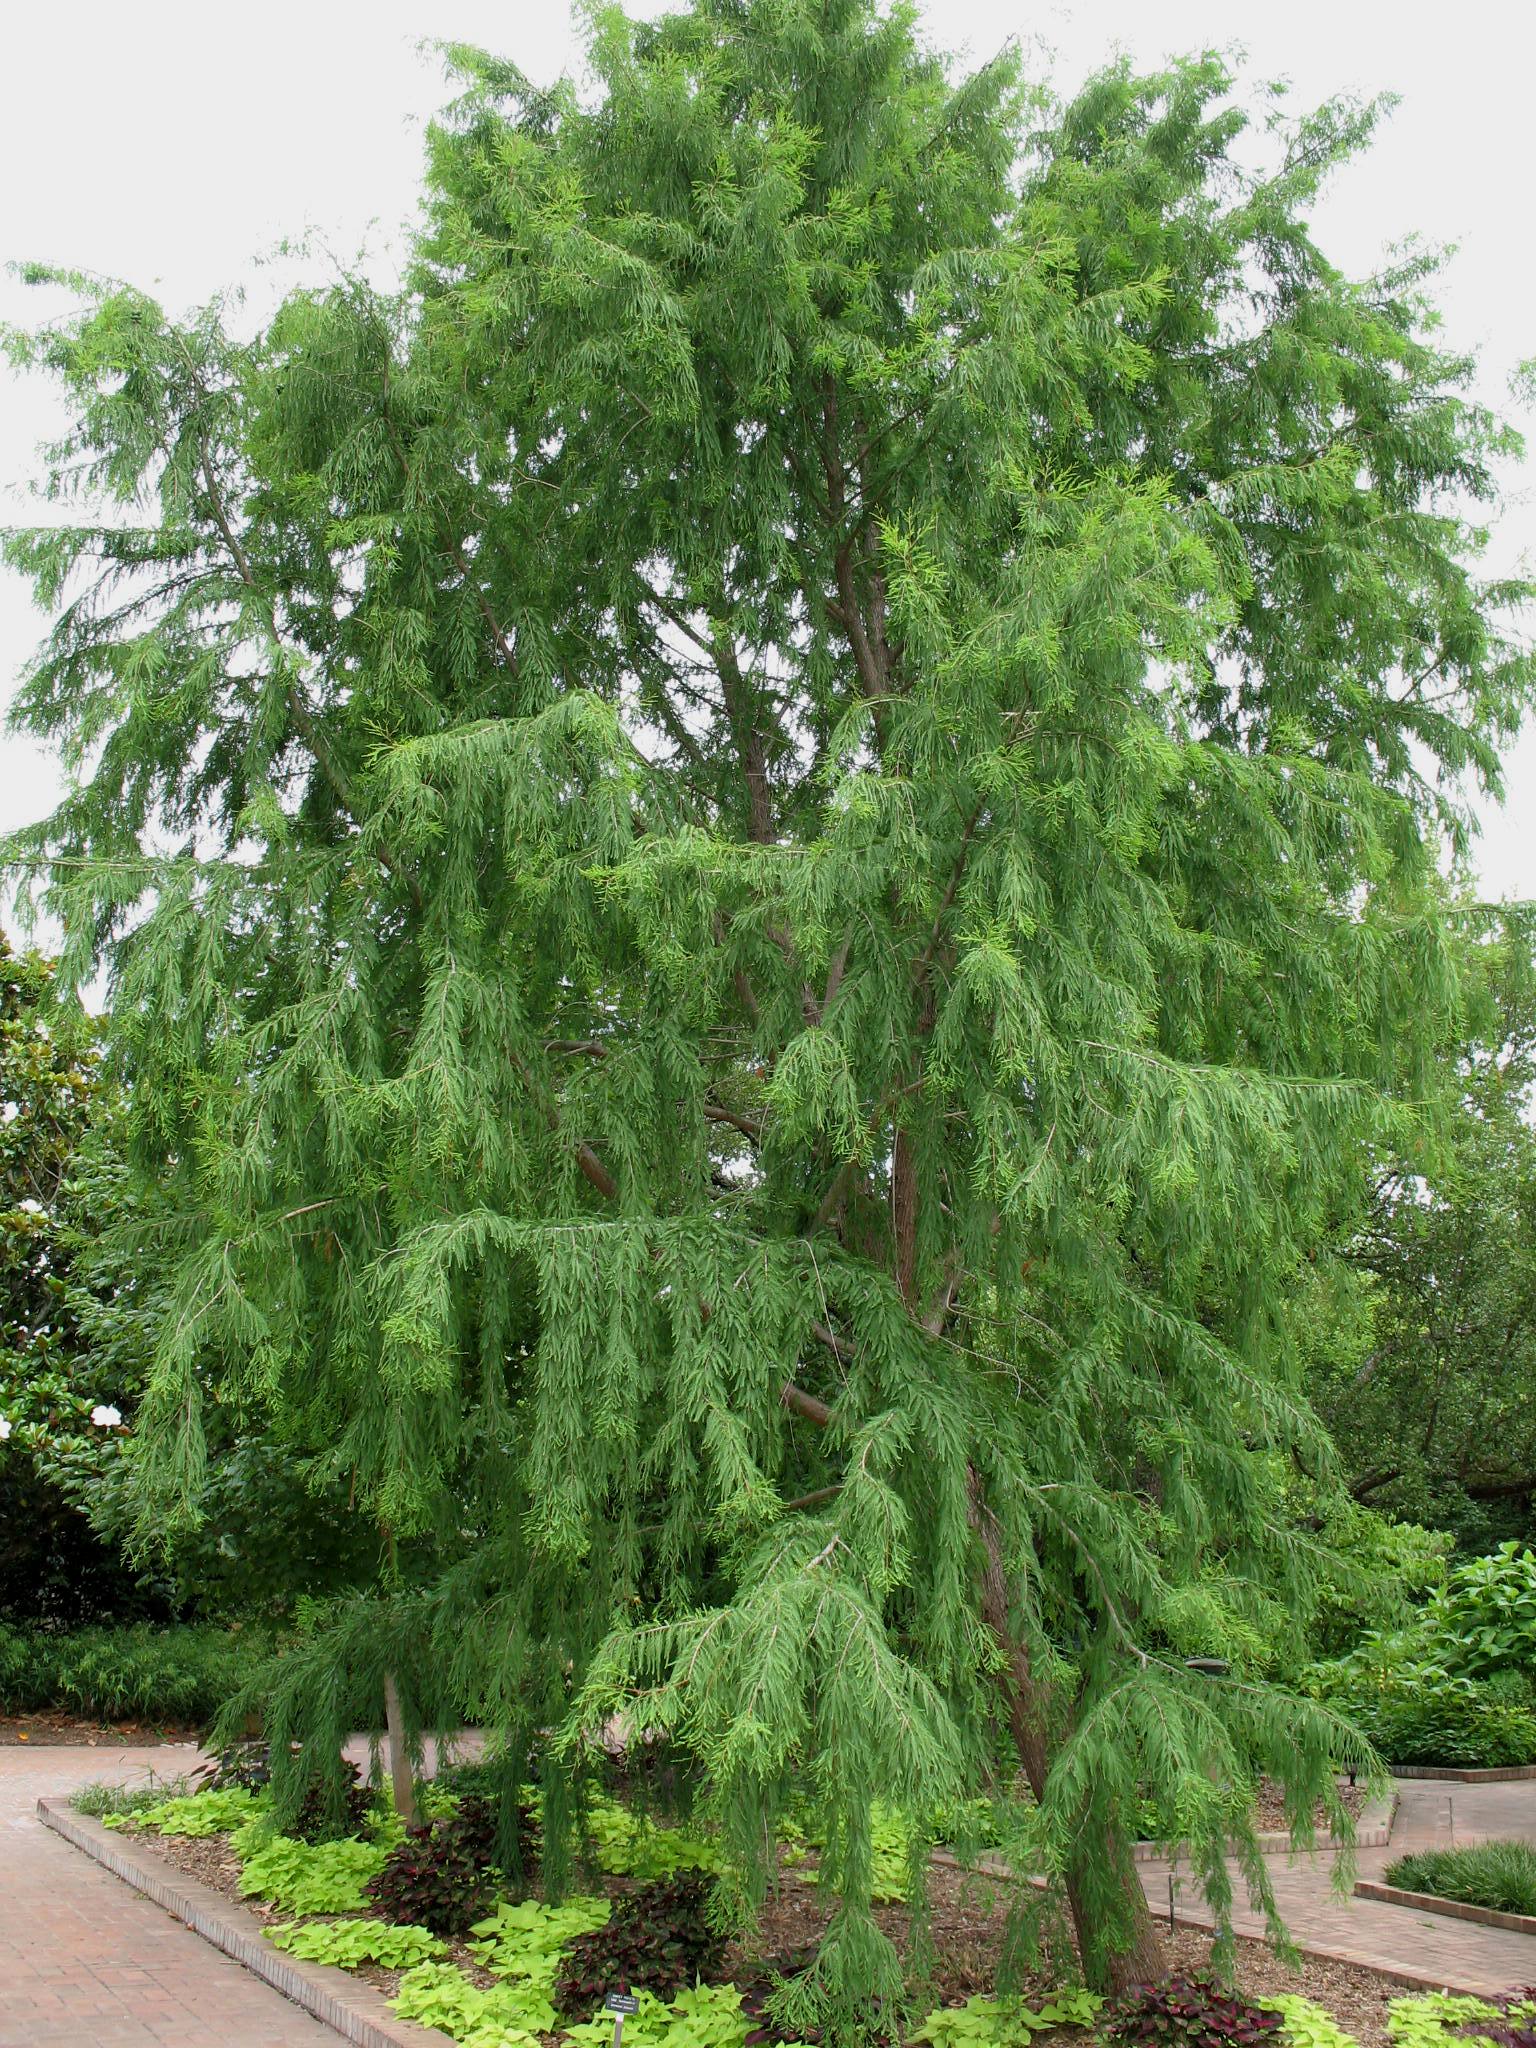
[(1499, 1875), (497, 1988)]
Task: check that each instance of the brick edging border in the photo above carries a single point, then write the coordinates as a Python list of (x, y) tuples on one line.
[(1453, 1909), (1378, 1818), (1373, 1832), (338, 2000), (1508, 1774)]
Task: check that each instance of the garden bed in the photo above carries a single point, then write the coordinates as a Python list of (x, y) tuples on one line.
[(60, 1730), (1492, 1882), (1269, 1806), (1373, 1822), (966, 1927)]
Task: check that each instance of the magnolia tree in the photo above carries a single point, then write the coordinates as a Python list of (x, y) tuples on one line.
[(766, 853), (63, 1386)]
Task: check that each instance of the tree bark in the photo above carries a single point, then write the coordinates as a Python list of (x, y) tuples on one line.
[(1128, 1949), (399, 1762)]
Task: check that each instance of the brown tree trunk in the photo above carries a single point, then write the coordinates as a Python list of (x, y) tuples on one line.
[(1122, 1947), (399, 1761)]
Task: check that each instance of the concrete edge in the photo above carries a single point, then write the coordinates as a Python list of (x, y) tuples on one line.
[(1452, 1909), (337, 1999), (1507, 1774)]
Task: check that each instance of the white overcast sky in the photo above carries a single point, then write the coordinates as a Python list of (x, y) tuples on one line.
[(169, 142)]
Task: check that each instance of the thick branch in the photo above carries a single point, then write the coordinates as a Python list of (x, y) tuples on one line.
[(746, 732), (805, 1404), (748, 1126), (596, 1172)]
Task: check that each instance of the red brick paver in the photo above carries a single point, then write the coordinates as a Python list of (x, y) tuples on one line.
[(88, 1962), (1419, 1945)]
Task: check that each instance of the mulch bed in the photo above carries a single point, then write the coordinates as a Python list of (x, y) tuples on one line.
[(59, 1730), (966, 1917), (1269, 1807)]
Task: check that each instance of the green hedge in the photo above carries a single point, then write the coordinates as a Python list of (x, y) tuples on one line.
[(138, 1673), (1457, 1726)]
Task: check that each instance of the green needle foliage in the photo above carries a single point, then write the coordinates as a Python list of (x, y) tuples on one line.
[(767, 854), (1434, 1414)]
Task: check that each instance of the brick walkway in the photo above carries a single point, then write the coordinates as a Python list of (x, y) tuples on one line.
[(1453, 1953), (88, 1963)]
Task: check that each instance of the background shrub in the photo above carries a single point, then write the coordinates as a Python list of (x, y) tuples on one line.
[(331, 1812), (1453, 1722), (139, 1673), (1500, 1875), (237, 1767), (1484, 1619)]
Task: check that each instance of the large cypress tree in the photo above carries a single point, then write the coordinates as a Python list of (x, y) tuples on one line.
[(764, 853)]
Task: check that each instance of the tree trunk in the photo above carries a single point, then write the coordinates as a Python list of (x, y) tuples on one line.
[(399, 1762), (1130, 1951), (1118, 1947)]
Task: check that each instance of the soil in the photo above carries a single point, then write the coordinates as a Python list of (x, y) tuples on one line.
[(967, 1913), (64, 1730), (1269, 1807)]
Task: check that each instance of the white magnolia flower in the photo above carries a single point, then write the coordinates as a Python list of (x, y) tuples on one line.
[(31, 1208), (105, 1416), (5, 1427)]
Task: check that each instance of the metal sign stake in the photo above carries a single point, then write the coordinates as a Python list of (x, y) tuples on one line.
[(619, 2003)]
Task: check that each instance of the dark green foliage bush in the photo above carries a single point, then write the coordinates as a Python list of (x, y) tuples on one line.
[(1485, 1619), (1500, 1875), (139, 1673), (1187, 2012), (441, 1875), (327, 1812), (659, 1939), (482, 1779), (501, 1781), (653, 1775), (331, 1813), (237, 1767), (1454, 1724)]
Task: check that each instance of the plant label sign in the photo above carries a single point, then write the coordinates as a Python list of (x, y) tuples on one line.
[(619, 2003)]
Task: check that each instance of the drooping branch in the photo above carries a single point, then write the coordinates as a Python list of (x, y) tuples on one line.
[(308, 726)]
